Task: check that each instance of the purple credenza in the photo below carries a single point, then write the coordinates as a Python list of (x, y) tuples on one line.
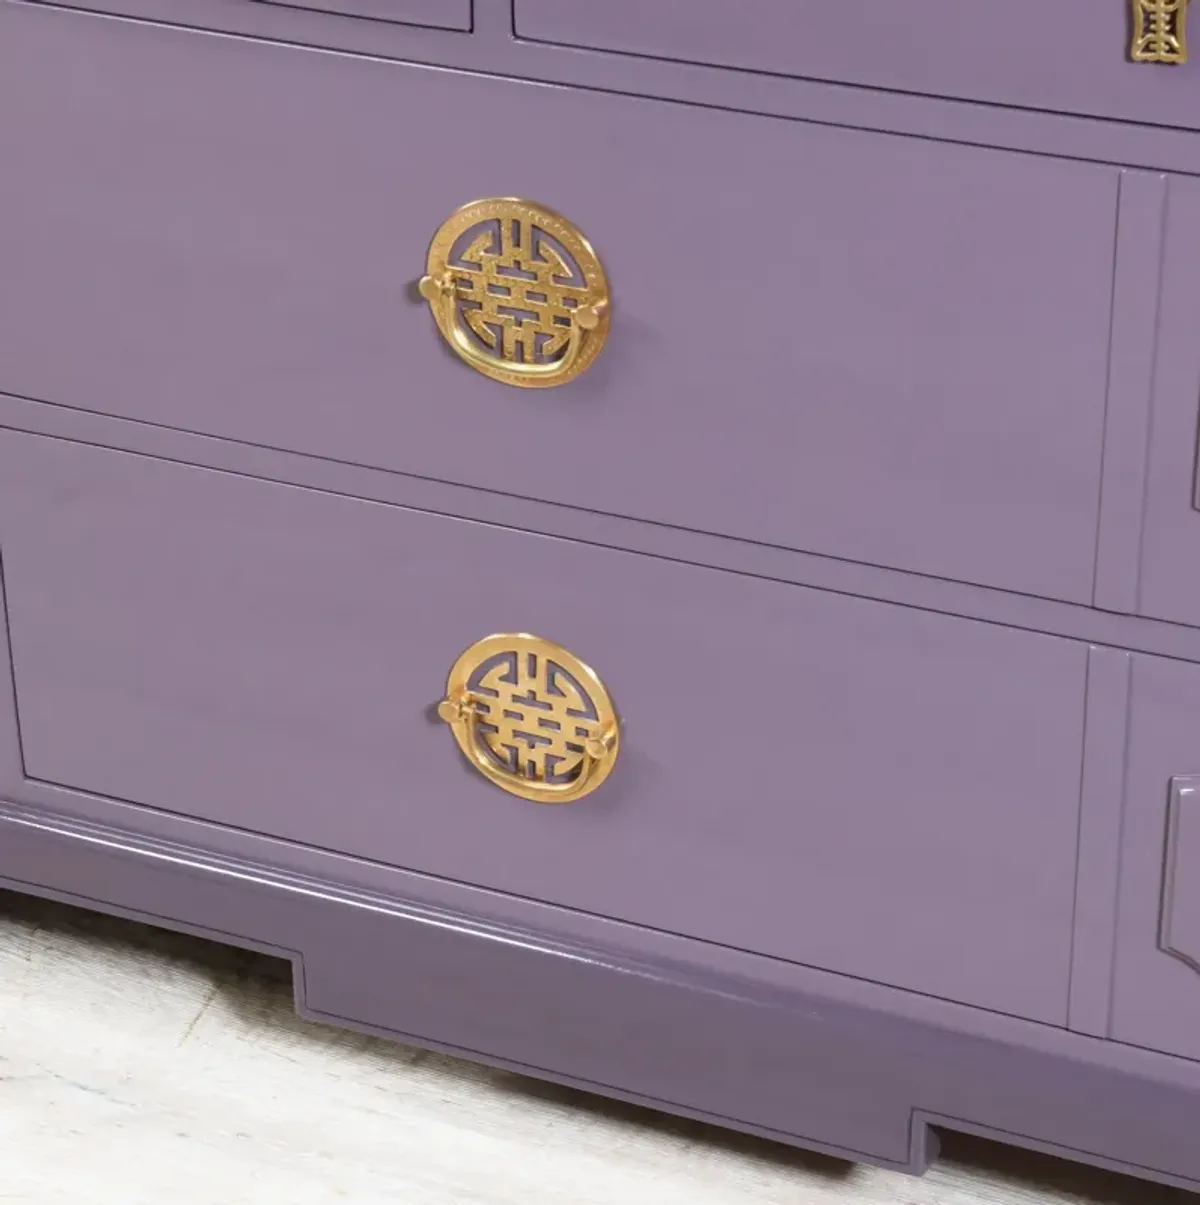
[(849, 463)]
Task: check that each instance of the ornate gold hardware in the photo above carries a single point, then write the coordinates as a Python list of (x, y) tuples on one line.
[(1159, 31), (532, 718), (517, 292)]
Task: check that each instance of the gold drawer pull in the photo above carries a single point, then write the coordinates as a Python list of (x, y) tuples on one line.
[(517, 292), (532, 718), (1159, 31)]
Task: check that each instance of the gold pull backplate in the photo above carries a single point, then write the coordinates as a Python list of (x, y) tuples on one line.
[(532, 718), (517, 292), (1159, 31)]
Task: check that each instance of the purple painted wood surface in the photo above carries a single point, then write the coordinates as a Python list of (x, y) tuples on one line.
[(1179, 922), (1094, 928), (802, 1065), (919, 381), (1137, 284), (1073, 621), (245, 666), (493, 50), (440, 14), (849, 785), (1061, 55), (1170, 567), (1156, 993)]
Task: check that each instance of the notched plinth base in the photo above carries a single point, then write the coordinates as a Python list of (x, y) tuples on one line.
[(847, 1080)]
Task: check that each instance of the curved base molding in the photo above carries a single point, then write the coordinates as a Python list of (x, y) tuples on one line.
[(851, 1081)]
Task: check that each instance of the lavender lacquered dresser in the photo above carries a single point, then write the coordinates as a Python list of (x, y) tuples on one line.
[(654, 543)]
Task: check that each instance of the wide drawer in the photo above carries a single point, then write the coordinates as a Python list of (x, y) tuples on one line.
[(865, 346), (1072, 56), (852, 785)]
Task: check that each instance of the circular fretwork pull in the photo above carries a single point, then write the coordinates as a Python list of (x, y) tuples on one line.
[(532, 718), (517, 292)]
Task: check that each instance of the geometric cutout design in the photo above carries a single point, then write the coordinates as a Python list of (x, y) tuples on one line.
[(517, 292), (532, 718)]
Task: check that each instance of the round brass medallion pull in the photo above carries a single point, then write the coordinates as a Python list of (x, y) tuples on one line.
[(532, 718), (1159, 31), (517, 292)]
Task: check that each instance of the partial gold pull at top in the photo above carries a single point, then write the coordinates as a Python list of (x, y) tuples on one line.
[(1159, 31), (531, 718), (517, 292)]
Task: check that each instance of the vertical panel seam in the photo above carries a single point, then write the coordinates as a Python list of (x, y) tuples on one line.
[(1108, 387), (1114, 952), (1101, 810), (1083, 759), (1129, 395)]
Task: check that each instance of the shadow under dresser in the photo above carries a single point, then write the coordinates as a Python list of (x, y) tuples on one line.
[(626, 541)]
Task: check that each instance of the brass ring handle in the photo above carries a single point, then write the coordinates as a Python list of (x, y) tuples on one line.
[(531, 718), (1159, 31), (517, 292), (442, 294), (464, 710)]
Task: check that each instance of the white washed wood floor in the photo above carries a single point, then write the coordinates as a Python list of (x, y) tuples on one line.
[(142, 1067)]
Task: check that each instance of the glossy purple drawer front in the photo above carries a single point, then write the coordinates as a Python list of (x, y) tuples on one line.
[(441, 14), (843, 783), (1156, 990), (865, 346), (1062, 55)]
